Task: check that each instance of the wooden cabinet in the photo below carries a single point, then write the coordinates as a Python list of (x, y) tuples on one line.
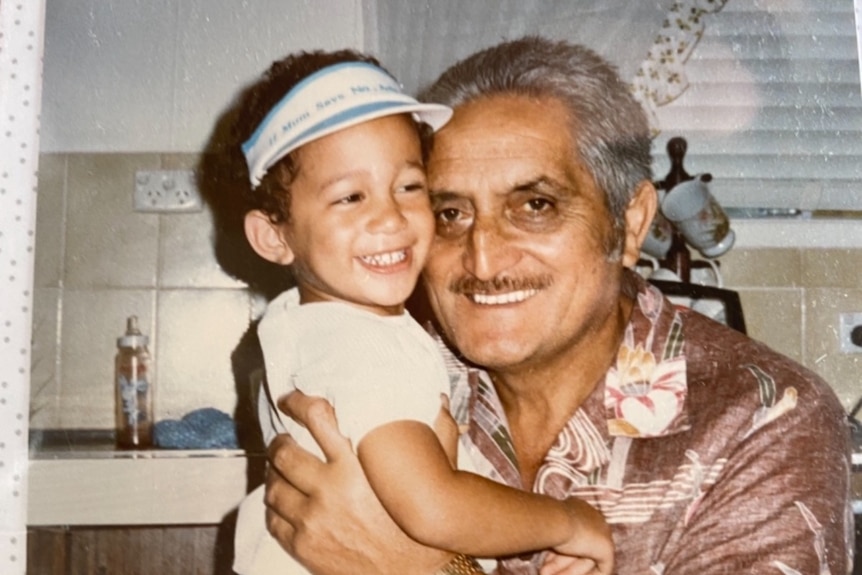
[(133, 550), (147, 513)]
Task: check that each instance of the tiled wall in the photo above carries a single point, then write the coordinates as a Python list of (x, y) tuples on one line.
[(792, 299), (99, 261)]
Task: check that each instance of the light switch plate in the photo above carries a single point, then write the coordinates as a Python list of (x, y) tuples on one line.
[(167, 191)]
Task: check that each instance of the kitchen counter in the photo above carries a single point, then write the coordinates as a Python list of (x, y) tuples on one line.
[(81, 479)]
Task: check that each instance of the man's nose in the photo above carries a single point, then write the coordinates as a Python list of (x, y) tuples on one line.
[(490, 250), (386, 216)]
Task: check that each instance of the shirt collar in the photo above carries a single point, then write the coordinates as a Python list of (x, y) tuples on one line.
[(645, 390), (642, 395)]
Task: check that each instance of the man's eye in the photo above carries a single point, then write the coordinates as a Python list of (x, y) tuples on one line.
[(539, 205), (448, 215), (451, 222)]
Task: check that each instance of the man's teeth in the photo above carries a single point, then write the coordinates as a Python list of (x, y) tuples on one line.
[(503, 298), (387, 259)]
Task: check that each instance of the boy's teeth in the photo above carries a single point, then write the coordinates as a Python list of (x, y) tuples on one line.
[(387, 259)]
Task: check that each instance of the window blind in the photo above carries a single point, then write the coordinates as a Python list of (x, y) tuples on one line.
[(773, 108)]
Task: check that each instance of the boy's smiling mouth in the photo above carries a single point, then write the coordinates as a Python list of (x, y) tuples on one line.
[(384, 259)]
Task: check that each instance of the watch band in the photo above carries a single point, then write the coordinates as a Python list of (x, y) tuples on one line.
[(461, 565)]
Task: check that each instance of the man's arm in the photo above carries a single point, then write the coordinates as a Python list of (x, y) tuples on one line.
[(781, 503), (325, 513)]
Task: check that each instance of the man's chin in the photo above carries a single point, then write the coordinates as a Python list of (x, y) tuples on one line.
[(491, 349)]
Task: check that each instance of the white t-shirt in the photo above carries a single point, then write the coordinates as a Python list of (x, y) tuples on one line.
[(373, 369)]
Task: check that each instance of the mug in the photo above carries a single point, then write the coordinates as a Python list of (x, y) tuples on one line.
[(667, 275), (711, 308), (705, 273), (699, 217), (646, 265), (657, 241)]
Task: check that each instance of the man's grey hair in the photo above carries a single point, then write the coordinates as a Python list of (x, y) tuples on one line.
[(608, 126)]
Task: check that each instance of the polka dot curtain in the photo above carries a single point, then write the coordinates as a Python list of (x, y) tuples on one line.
[(21, 43)]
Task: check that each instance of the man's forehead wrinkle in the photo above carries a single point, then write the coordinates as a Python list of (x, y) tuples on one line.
[(453, 175), (541, 182), (477, 147)]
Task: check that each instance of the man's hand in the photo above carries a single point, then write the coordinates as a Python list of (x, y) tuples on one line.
[(325, 513)]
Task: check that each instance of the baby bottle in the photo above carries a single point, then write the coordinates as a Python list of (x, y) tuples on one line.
[(134, 391)]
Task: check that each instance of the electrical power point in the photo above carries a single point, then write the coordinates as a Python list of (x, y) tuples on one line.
[(167, 191), (850, 332)]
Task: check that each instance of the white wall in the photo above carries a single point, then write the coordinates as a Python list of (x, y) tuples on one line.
[(130, 75), (20, 89)]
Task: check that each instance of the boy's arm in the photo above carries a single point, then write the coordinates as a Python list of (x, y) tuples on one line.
[(324, 513), (450, 509)]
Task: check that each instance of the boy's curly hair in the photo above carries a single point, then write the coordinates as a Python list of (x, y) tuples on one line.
[(272, 196)]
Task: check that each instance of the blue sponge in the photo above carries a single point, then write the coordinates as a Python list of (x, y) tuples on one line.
[(205, 428)]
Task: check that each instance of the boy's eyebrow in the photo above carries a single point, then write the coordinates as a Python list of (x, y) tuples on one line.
[(363, 171), (342, 176)]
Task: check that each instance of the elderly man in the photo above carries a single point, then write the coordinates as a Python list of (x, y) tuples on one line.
[(706, 451)]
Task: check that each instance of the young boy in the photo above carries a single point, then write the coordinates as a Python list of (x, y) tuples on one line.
[(336, 164)]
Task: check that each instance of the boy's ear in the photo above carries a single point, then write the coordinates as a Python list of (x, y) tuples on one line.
[(639, 215), (266, 238)]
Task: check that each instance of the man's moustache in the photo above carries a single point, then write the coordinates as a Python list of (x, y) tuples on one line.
[(471, 285)]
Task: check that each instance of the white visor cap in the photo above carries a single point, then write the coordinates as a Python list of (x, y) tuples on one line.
[(331, 99)]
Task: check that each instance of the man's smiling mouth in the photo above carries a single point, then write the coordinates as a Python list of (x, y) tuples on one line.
[(503, 298), (500, 290)]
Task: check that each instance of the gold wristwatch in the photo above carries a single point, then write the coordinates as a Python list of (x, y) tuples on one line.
[(461, 565)]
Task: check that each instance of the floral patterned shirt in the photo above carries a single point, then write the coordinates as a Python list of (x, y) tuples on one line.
[(707, 452)]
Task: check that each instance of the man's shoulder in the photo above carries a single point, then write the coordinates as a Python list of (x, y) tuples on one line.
[(729, 370)]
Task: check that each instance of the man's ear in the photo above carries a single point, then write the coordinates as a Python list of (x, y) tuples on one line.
[(639, 215), (267, 238)]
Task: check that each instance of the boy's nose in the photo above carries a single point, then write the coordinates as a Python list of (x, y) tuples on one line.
[(387, 217)]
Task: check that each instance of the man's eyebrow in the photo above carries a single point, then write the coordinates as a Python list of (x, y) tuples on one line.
[(444, 195), (537, 184), (541, 183)]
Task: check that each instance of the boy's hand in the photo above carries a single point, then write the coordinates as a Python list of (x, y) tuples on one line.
[(564, 565), (590, 543)]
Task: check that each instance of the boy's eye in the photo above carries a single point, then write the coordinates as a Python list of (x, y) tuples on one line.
[(414, 187), (350, 198)]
